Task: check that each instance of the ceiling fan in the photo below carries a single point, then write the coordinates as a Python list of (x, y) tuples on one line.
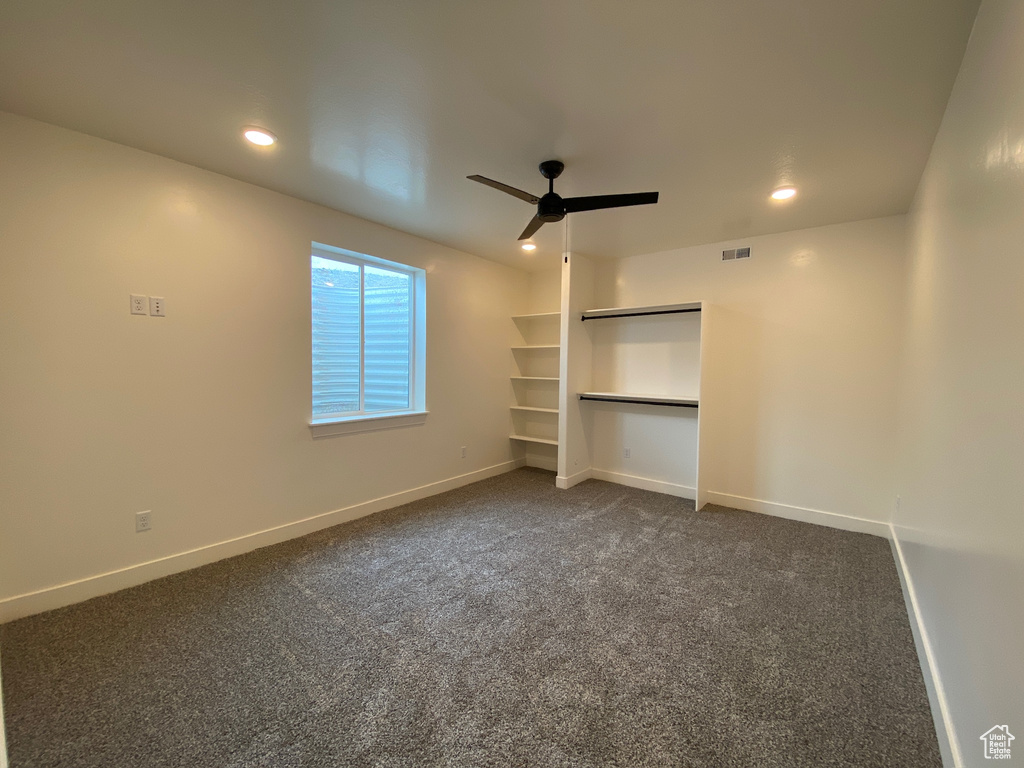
[(552, 207)]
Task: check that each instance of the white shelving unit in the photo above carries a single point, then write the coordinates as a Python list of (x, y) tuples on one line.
[(621, 397), (636, 392), (616, 393), (534, 412), (537, 316), (661, 309), (529, 439), (667, 351)]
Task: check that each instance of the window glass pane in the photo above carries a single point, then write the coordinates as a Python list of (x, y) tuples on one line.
[(335, 288), (387, 337)]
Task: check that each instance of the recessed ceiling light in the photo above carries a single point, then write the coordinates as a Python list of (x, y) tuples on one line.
[(259, 137), (529, 247), (784, 193)]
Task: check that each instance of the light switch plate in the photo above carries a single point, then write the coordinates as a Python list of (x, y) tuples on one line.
[(157, 307), (138, 304)]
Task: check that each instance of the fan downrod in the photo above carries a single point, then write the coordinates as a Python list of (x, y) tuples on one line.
[(551, 208)]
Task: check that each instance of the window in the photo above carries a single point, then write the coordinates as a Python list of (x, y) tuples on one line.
[(368, 351)]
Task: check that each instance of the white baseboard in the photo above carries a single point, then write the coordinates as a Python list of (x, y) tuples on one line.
[(570, 480), (948, 744), (647, 484), (104, 583), (3, 736), (804, 515)]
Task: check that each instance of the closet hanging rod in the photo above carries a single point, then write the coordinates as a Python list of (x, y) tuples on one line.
[(614, 397), (664, 309)]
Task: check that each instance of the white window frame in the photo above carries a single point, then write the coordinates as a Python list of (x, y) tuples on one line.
[(361, 420)]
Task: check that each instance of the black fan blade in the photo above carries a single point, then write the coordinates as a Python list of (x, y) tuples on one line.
[(592, 203), (533, 226), (506, 189)]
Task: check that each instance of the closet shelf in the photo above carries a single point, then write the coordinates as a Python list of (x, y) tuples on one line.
[(527, 439), (660, 309), (536, 316), (535, 346), (534, 378), (621, 397), (532, 408)]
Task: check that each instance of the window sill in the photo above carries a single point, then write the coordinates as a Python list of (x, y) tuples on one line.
[(348, 424)]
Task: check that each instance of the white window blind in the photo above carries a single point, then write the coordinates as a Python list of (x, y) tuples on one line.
[(363, 337)]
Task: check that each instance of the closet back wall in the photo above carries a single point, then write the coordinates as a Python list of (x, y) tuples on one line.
[(805, 348), (200, 416)]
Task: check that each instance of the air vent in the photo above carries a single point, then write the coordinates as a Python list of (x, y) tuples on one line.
[(736, 253)]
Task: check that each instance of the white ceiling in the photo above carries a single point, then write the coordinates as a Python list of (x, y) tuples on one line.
[(383, 107)]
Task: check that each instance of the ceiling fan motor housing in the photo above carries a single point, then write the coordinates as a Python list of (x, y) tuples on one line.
[(550, 208)]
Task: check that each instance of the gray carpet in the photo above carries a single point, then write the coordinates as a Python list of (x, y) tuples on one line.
[(502, 624)]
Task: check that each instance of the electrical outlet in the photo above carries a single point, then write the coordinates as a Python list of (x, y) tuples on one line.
[(626, 453), (138, 304), (463, 451), (897, 505), (143, 521), (157, 307)]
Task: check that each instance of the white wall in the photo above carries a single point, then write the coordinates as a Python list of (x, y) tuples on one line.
[(961, 469), (544, 290), (200, 416), (574, 458), (805, 346)]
